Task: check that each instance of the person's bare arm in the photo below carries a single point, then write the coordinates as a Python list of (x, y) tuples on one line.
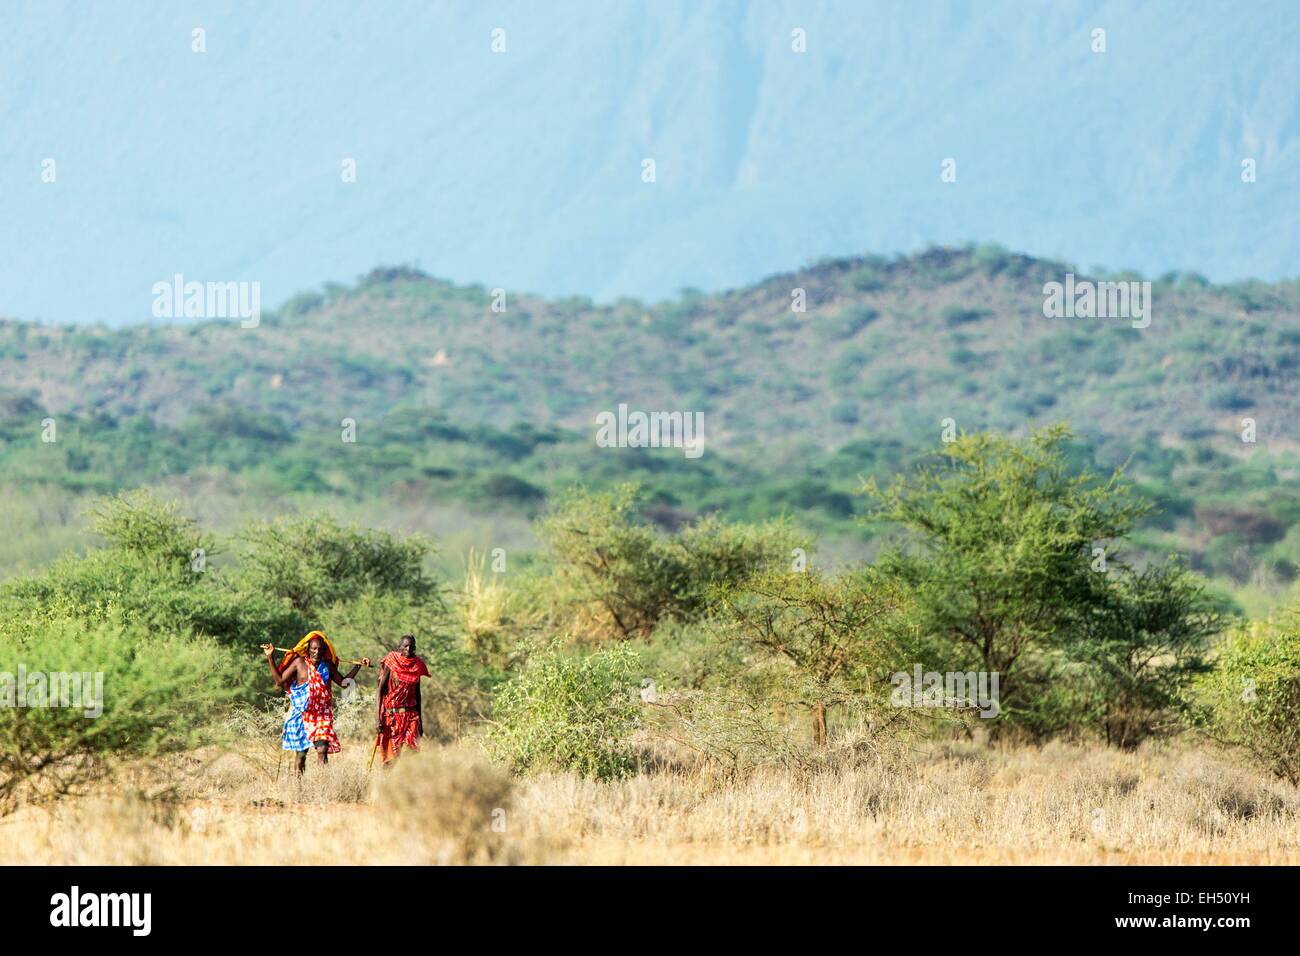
[(334, 674), (279, 678)]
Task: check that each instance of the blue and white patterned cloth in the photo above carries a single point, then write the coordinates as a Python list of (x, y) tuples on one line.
[(295, 731)]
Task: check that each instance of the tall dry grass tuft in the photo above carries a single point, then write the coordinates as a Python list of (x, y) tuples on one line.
[(492, 616), (450, 806)]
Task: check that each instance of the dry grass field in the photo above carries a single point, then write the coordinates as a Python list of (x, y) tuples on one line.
[(948, 804)]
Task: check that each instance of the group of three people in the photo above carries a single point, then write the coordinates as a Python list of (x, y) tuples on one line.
[(307, 673)]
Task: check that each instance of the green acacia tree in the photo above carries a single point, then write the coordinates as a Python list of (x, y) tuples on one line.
[(154, 572), (999, 549), (141, 524), (312, 562), (835, 637), (135, 693), (612, 576), (1142, 646)]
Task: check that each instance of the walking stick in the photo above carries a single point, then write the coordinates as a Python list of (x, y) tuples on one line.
[(342, 660), (371, 764)]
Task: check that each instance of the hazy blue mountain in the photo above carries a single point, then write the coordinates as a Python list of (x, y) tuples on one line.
[(523, 169)]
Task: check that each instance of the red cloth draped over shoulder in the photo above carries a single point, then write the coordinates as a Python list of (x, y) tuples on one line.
[(406, 669), (399, 719)]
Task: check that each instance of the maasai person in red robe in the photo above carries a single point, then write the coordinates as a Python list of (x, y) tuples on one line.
[(397, 723)]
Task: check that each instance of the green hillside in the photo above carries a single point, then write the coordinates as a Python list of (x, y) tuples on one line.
[(472, 418)]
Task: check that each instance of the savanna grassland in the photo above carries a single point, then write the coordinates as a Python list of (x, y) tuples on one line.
[(957, 803), (638, 657), (633, 696)]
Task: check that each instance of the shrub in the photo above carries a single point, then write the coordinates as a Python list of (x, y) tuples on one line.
[(313, 562), (154, 592), (1251, 698), (848, 322), (992, 259), (1104, 363), (956, 315), (871, 276), (614, 577), (808, 494), (140, 524), (511, 489), (845, 413), (302, 304), (847, 367), (1230, 398), (1252, 296), (943, 264), (570, 713), (735, 728), (962, 356), (690, 656), (158, 690)]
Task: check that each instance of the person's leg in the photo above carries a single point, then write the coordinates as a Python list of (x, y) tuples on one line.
[(302, 762), (322, 752), (397, 739), (400, 736)]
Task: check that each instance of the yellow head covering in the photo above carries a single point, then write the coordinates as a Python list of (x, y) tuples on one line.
[(300, 650)]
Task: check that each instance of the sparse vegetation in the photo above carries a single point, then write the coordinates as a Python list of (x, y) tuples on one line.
[(568, 711), (652, 656), (1250, 699)]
